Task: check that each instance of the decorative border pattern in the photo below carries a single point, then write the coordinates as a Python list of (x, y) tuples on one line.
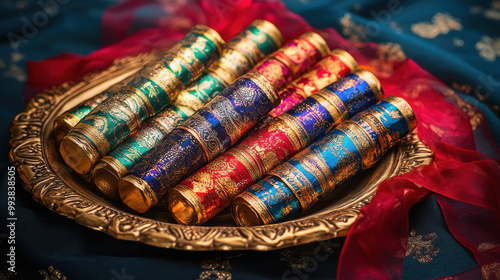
[(33, 152)]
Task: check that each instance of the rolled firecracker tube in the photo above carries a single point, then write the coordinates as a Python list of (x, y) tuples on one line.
[(150, 91), (293, 59), (202, 137), (67, 120), (338, 64), (232, 64), (312, 174), (212, 188), (248, 48)]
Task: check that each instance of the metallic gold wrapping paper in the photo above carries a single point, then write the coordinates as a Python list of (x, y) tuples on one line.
[(318, 170), (291, 60), (338, 64), (202, 137), (261, 36), (212, 188), (67, 120), (150, 91)]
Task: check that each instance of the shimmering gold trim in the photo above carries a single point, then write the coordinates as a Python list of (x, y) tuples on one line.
[(254, 166), (248, 210), (186, 206), (283, 59), (136, 193), (247, 48), (222, 75), (325, 179), (97, 139), (303, 189), (265, 85), (164, 78), (197, 137), (405, 109), (140, 99), (128, 99), (195, 69), (346, 58), (63, 124), (187, 100), (194, 66), (357, 134), (332, 106), (317, 41), (212, 35), (337, 103), (382, 135), (291, 135), (234, 62), (271, 30), (297, 128), (106, 173), (372, 81)]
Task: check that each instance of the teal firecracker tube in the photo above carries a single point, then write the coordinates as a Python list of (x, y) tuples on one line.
[(149, 92)]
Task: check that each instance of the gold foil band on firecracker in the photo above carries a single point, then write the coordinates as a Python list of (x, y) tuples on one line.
[(247, 49), (299, 184), (250, 210), (186, 205), (318, 42), (162, 76), (333, 104), (359, 138), (253, 166), (138, 98), (232, 63), (178, 61), (180, 53), (242, 52), (405, 110), (193, 132), (211, 34), (137, 194), (297, 128), (372, 81), (384, 139), (346, 58), (269, 89), (271, 30), (188, 103), (220, 72), (291, 134)]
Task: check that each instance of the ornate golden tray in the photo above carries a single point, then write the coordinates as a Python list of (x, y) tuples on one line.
[(44, 174)]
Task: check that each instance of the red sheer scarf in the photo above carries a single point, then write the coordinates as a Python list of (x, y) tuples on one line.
[(465, 182)]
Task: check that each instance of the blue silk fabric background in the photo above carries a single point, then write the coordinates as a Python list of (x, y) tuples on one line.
[(457, 41)]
